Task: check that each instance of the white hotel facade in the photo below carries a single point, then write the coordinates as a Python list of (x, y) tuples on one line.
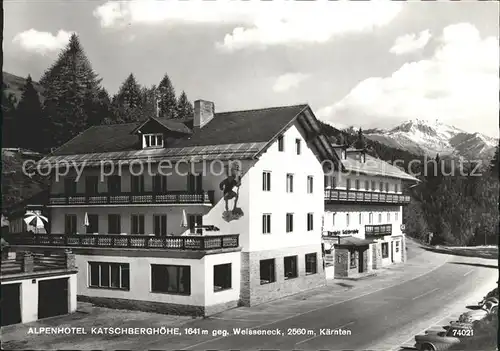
[(180, 243)]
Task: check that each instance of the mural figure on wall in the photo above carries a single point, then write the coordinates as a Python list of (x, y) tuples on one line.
[(230, 188)]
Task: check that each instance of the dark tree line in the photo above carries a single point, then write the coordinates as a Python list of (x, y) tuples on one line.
[(74, 100)]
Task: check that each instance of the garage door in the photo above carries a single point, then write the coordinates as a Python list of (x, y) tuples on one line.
[(52, 297), (11, 304)]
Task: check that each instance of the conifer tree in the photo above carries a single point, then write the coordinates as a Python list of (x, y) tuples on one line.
[(9, 120), (70, 92), (30, 122), (360, 141), (184, 107), (168, 101), (128, 102), (149, 101)]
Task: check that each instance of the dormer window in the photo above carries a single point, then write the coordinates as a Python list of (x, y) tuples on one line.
[(152, 140)]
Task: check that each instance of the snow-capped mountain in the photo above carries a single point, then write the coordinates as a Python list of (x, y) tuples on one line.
[(430, 138)]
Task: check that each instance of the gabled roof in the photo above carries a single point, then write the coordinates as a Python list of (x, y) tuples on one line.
[(240, 134), (374, 166), (251, 126)]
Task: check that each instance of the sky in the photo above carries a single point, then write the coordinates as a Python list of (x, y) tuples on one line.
[(365, 64)]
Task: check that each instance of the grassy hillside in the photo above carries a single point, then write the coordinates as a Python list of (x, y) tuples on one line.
[(13, 85)]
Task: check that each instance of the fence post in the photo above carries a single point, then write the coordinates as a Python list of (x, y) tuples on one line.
[(27, 262), (70, 259)]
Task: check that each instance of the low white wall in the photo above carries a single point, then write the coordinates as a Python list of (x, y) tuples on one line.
[(202, 293)]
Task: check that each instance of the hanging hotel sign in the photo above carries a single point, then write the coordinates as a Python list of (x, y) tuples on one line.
[(402, 227)]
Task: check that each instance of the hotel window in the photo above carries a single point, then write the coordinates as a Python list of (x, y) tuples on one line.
[(114, 184), (194, 183), (69, 186), (281, 143), (370, 218), (70, 224), (330, 182), (222, 277), (396, 188), (137, 184), (109, 275), (348, 184), (386, 187), (381, 186), (160, 184), (396, 215), (137, 224), (266, 181), (311, 263), (310, 221), (360, 218), (352, 259), (195, 222), (114, 224), (267, 271), (153, 140), (289, 222), (289, 183), (380, 217), (397, 246), (171, 279), (266, 223), (347, 221), (310, 184), (357, 184), (373, 185), (290, 263), (93, 226), (385, 250), (367, 185), (297, 146), (388, 217), (91, 185), (160, 225)]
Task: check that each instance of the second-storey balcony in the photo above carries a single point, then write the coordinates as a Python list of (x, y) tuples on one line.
[(170, 197), (354, 196), (197, 243), (378, 230)]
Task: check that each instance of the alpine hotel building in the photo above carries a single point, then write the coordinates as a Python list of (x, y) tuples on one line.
[(237, 218)]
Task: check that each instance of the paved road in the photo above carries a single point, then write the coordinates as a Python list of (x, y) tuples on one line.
[(380, 313), (379, 319)]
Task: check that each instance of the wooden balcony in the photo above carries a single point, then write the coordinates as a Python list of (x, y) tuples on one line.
[(197, 243), (171, 197), (378, 230), (359, 196)]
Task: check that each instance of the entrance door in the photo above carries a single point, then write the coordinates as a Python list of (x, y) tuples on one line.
[(361, 261), (11, 304), (392, 251), (52, 297)]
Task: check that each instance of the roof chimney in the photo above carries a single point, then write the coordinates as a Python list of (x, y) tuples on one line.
[(204, 111)]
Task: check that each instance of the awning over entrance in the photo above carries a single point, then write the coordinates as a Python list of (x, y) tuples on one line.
[(348, 241)]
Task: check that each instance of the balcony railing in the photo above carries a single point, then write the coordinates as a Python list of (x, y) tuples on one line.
[(198, 243), (378, 230), (334, 195), (171, 197)]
